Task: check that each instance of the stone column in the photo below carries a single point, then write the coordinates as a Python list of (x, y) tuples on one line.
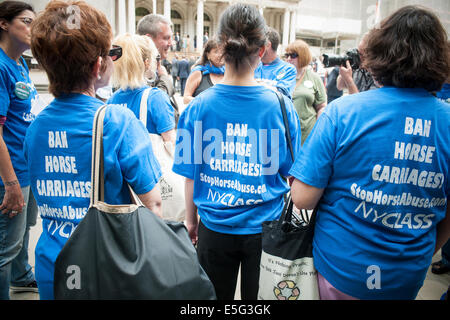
[(286, 24), (190, 22), (131, 17), (293, 27), (121, 21), (199, 26), (154, 6), (167, 9)]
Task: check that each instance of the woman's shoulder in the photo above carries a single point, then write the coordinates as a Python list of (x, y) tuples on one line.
[(157, 94), (5, 69), (313, 75), (118, 114)]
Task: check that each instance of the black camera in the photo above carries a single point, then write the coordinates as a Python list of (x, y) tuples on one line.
[(332, 60)]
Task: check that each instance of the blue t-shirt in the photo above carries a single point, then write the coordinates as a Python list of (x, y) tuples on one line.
[(160, 117), (231, 142), (58, 152), (382, 157), (279, 74), (17, 95)]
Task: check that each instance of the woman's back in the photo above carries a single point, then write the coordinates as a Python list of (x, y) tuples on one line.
[(383, 157), (160, 113), (60, 168), (242, 134), (205, 83)]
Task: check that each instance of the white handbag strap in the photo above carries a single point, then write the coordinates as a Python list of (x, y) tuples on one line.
[(143, 106), (97, 172), (97, 161)]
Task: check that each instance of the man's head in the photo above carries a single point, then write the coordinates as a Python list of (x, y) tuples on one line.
[(273, 40), (159, 29)]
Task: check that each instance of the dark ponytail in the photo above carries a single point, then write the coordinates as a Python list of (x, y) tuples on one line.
[(241, 34)]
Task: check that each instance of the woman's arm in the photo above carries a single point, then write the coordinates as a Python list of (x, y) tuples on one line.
[(13, 198), (152, 200), (320, 108), (443, 230), (169, 136), (305, 196), (192, 84), (191, 211)]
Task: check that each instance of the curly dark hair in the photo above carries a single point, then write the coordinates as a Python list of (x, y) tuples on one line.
[(409, 50)]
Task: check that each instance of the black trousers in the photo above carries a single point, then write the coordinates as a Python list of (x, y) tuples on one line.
[(221, 255)]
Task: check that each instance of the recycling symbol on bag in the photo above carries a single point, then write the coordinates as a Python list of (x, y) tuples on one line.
[(286, 290)]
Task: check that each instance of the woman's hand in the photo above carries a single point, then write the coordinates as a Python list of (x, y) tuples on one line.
[(13, 201), (193, 232)]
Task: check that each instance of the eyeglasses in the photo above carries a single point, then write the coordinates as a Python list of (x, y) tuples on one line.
[(292, 55), (115, 53), (25, 20)]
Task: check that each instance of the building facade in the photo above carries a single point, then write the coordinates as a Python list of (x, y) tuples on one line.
[(329, 26)]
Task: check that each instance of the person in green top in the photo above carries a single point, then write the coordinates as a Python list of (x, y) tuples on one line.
[(310, 98)]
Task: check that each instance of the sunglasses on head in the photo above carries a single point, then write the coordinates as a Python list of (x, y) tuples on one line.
[(115, 53), (292, 55)]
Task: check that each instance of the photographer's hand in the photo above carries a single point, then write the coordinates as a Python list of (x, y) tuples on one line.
[(346, 75)]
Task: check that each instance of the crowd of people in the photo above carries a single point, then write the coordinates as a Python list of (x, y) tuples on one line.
[(374, 162)]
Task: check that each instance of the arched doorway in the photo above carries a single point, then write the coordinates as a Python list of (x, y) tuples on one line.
[(140, 13), (176, 18)]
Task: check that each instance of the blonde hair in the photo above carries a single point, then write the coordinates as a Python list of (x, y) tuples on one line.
[(301, 48), (129, 70)]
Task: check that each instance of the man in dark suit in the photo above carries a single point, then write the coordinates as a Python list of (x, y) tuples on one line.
[(183, 73)]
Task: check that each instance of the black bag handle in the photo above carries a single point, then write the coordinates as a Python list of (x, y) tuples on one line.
[(286, 215), (286, 124)]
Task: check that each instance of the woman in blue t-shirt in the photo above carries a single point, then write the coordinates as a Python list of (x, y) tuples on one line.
[(378, 162), (17, 96), (129, 77), (78, 59), (232, 149)]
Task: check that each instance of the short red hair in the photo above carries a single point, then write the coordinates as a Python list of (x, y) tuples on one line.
[(68, 51), (301, 48)]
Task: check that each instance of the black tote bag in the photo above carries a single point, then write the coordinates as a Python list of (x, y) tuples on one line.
[(287, 269), (126, 251)]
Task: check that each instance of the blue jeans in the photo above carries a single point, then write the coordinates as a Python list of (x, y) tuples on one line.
[(14, 236)]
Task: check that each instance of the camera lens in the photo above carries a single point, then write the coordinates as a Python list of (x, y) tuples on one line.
[(332, 60)]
